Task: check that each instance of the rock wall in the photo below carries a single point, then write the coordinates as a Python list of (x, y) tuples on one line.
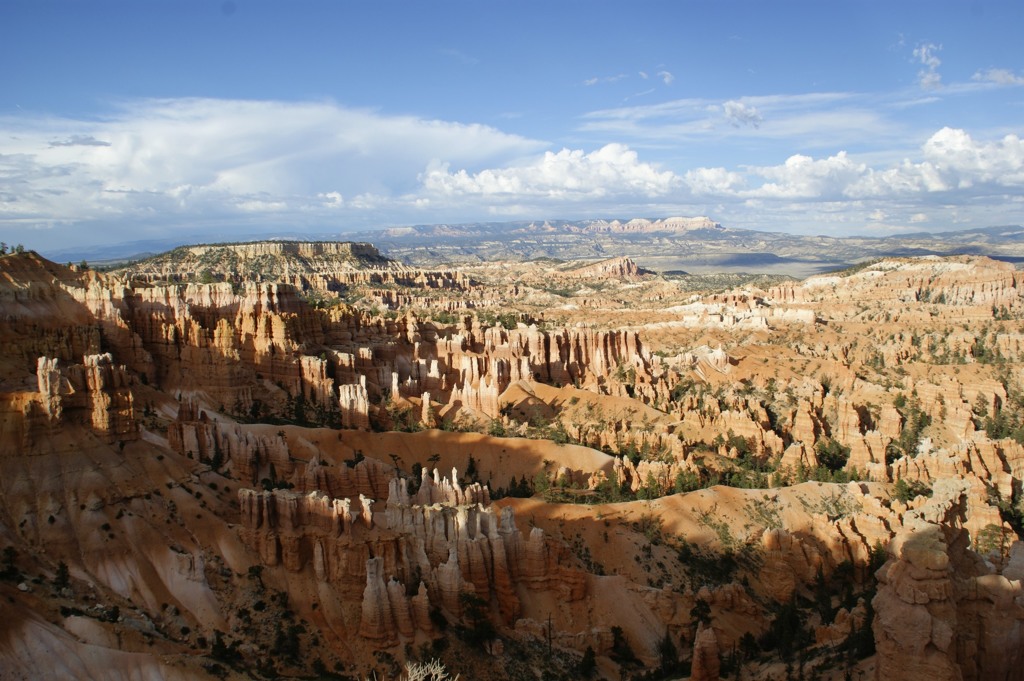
[(943, 614), (619, 268), (961, 281), (424, 550), (95, 393)]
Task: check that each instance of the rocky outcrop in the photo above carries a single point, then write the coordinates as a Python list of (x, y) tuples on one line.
[(618, 268), (942, 614), (845, 623), (95, 393), (238, 339), (962, 281), (706, 664), (739, 312), (435, 545), (321, 269), (386, 610), (265, 458), (355, 405), (990, 628), (915, 623)]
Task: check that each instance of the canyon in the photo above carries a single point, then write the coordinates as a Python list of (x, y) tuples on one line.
[(305, 460)]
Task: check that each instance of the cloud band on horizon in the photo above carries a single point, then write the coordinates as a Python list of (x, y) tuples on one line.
[(172, 162)]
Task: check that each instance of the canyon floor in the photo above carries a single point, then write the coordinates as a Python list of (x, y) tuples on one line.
[(303, 460)]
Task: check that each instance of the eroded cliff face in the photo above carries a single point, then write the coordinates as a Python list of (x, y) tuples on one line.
[(95, 393), (962, 281), (941, 617), (427, 550)]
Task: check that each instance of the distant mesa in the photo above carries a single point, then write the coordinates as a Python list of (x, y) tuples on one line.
[(353, 252), (549, 227), (644, 226), (694, 244), (261, 260)]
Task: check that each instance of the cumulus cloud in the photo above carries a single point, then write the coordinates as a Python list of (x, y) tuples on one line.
[(206, 157), (804, 177), (612, 170), (966, 162), (926, 55), (950, 161), (714, 181), (998, 76), (232, 163), (228, 164), (666, 77)]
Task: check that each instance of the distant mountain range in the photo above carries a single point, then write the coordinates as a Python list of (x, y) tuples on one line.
[(691, 244), (695, 244)]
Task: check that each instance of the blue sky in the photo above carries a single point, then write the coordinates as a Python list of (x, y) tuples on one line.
[(122, 121)]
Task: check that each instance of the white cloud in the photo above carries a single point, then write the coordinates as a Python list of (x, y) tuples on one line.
[(823, 119), (612, 170), (210, 158), (998, 76), (606, 79), (950, 161), (149, 167), (687, 107), (738, 113), (802, 177), (714, 181), (370, 201), (332, 199), (666, 77), (925, 54), (642, 93), (258, 206), (966, 162)]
